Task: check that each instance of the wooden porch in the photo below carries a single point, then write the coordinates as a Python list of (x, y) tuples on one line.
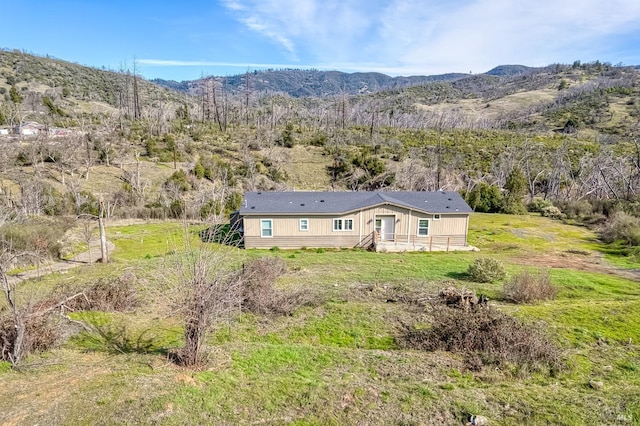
[(403, 243)]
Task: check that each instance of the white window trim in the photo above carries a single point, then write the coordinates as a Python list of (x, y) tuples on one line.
[(300, 225), (270, 227), (422, 227), (343, 221), (437, 216)]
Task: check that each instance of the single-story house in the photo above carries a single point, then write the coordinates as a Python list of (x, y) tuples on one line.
[(29, 128), (385, 221)]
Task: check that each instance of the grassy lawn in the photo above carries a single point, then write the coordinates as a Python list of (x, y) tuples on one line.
[(338, 362), (135, 242)]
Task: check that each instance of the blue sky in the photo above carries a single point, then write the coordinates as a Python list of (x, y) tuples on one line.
[(188, 39)]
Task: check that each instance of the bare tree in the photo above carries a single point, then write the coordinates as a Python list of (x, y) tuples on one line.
[(104, 252), (87, 233), (12, 345), (28, 326), (204, 289), (137, 110)]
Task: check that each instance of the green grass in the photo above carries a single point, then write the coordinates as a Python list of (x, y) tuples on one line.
[(115, 333), (348, 325), (135, 242), (581, 285), (339, 267), (338, 362), (588, 322), (527, 234)]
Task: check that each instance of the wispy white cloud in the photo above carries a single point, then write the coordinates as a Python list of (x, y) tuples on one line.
[(306, 26), (436, 35)]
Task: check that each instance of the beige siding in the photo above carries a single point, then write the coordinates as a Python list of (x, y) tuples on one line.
[(450, 229), (454, 225), (287, 233)]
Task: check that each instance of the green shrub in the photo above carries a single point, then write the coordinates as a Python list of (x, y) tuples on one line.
[(39, 235), (199, 170), (621, 227), (553, 212), (538, 204), (513, 206), (486, 270), (319, 139), (177, 208), (484, 198), (576, 209), (181, 180)]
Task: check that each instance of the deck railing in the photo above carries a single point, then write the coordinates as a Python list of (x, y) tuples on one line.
[(437, 242)]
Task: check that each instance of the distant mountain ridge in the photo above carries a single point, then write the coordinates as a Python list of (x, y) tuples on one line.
[(313, 83), (510, 70), (90, 83)]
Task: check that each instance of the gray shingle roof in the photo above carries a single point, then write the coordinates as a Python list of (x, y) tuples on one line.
[(344, 202)]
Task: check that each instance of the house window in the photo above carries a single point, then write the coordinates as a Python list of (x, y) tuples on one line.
[(423, 227), (343, 224), (304, 224), (436, 217), (266, 228)]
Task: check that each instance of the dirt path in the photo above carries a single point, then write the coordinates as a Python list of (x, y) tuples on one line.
[(84, 258)]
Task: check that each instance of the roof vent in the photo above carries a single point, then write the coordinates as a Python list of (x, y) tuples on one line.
[(322, 201), (302, 205), (253, 207), (259, 193), (448, 207), (449, 199)]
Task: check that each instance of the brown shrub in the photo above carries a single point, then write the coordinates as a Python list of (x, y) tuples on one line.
[(41, 332), (259, 293), (106, 295), (529, 287), (461, 298), (496, 337)]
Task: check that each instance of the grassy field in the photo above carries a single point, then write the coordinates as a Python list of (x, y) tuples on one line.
[(339, 361)]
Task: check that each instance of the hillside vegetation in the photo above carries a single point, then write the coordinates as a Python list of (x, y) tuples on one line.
[(549, 158), (342, 359)]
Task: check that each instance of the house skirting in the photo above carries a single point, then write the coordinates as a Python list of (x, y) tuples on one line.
[(393, 247)]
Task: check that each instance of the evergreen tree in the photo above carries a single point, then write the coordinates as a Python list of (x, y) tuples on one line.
[(516, 187), (15, 95)]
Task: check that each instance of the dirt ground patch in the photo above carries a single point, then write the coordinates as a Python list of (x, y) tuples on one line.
[(588, 262)]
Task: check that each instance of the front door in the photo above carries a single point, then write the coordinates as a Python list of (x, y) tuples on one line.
[(386, 227)]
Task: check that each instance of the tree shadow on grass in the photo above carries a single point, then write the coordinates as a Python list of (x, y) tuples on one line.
[(222, 234), (120, 339), (460, 276)]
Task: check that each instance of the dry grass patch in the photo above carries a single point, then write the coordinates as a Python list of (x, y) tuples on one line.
[(530, 287)]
